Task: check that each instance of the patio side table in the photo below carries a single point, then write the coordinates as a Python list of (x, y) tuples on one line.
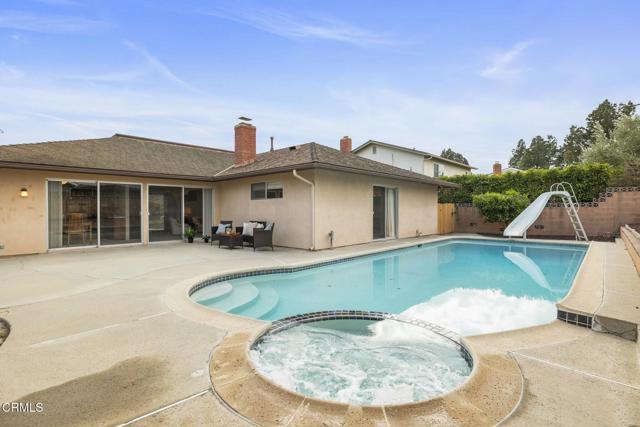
[(231, 241)]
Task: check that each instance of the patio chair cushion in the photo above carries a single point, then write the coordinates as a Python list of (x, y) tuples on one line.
[(221, 228), (247, 228), (268, 227)]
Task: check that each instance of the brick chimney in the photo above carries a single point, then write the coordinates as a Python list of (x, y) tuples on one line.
[(497, 168), (345, 144), (245, 143)]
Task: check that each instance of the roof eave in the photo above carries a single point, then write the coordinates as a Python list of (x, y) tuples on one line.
[(328, 166), (95, 171)]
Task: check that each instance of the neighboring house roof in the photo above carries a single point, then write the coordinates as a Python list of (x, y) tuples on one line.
[(137, 156), (313, 155), (511, 170), (121, 154), (414, 151)]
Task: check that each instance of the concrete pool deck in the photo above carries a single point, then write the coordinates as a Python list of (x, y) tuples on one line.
[(94, 338)]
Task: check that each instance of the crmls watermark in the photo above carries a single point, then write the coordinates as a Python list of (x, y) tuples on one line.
[(22, 407)]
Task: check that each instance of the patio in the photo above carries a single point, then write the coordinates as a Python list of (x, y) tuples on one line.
[(93, 338)]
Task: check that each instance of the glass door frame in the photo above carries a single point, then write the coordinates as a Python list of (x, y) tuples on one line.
[(115, 245), (182, 187), (97, 183), (396, 209)]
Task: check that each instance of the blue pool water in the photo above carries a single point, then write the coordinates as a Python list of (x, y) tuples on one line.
[(468, 286)]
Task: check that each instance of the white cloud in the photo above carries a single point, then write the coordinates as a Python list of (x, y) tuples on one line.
[(484, 128), (294, 27), (110, 77), (9, 72), (48, 24), (503, 65), (157, 65)]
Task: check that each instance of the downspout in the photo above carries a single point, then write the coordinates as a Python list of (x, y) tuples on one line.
[(313, 208)]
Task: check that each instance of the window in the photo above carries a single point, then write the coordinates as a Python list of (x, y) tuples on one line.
[(437, 170), (266, 190), (274, 190), (374, 149), (258, 191)]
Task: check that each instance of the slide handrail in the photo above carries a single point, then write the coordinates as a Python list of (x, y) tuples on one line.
[(562, 186)]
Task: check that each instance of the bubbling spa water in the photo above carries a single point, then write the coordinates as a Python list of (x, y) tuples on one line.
[(366, 362)]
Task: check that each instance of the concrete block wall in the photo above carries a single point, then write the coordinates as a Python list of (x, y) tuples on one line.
[(602, 217)]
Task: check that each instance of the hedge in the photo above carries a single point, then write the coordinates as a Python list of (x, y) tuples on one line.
[(588, 180), (500, 207)]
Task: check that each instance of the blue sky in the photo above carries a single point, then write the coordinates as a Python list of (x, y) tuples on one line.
[(474, 76)]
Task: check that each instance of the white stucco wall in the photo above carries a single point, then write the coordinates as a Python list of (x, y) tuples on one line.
[(415, 162), (398, 158), (446, 169)]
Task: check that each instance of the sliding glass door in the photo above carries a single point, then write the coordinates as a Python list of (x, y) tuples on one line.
[(73, 214), (120, 213), (95, 213), (385, 202), (165, 213), (76, 218), (193, 210)]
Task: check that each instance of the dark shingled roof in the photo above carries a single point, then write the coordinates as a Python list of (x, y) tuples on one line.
[(312, 155), (138, 156), (131, 155)]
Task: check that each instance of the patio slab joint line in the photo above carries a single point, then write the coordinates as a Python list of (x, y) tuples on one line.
[(171, 405), (518, 404), (577, 371)]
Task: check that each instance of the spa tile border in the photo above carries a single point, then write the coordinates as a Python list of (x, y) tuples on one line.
[(575, 318), (289, 322)]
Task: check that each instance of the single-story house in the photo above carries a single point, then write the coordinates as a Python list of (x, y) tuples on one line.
[(127, 189), (411, 159)]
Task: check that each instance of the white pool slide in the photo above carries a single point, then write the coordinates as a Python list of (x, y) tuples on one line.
[(519, 226)]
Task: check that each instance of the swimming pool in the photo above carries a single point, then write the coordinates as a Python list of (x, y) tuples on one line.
[(469, 286)]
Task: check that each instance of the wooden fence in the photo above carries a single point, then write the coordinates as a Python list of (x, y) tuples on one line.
[(446, 218)]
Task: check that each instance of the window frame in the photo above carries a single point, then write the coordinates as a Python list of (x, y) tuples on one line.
[(265, 193)]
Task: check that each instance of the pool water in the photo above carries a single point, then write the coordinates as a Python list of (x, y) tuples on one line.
[(468, 286), (362, 361)]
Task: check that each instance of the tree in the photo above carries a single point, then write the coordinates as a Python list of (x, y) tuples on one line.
[(517, 154), (541, 153), (618, 149), (606, 115), (574, 144), (453, 155)]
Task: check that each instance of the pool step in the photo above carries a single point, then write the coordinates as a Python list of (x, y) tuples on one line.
[(212, 293), (243, 293), (261, 306)]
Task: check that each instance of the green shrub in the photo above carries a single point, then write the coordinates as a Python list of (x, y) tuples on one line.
[(588, 180), (500, 207)]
